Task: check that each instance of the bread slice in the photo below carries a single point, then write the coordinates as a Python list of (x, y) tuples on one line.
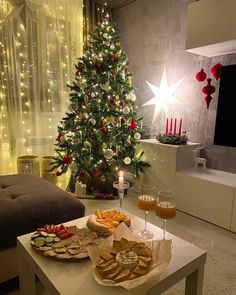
[(122, 276)]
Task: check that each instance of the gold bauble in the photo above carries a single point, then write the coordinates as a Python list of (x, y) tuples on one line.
[(104, 146)]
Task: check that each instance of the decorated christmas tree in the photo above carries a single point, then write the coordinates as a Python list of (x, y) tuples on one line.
[(99, 134)]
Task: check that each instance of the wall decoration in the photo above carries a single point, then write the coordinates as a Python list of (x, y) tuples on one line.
[(209, 89), (164, 95)]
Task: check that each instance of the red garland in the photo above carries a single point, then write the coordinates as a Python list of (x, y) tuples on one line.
[(67, 159), (132, 125)]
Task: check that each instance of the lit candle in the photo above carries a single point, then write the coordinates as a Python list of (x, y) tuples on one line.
[(180, 127), (167, 126), (121, 182), (171, 125), (175, 126)]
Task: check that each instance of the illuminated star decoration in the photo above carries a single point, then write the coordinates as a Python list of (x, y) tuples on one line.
[(163, 96)]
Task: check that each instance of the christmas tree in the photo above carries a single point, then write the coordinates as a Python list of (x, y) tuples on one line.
[(100, 133)]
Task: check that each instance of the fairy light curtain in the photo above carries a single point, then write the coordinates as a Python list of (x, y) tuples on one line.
[(39, 43)]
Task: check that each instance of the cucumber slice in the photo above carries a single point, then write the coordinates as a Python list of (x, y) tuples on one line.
[(35, 235), (49, 244), (39, 239), (32, 243), (49, 239), (43, 233), (52, 235), (39, 242), (57, 239)]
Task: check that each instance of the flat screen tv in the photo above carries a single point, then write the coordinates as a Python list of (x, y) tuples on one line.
[(225, 128)]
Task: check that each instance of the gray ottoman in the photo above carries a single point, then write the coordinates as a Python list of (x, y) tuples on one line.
[(28, 202)]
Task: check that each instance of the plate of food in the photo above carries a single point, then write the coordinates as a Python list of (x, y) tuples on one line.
[(105, 222), (126, 260), (64, 243)]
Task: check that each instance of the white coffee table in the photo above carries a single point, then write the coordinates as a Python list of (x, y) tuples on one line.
[(71, 278)]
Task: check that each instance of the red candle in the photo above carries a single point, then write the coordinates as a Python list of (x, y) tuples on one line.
[(175, 126), (167, 126), (180, 127), (171, 125)]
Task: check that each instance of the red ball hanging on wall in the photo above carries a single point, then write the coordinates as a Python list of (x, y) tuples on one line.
[(208, 90), (201, 75)]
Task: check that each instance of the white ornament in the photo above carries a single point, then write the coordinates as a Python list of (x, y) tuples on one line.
[(126, 110), (127, 160), (137, 135), (131, 96), (112, 47), (93, 94), (108, 154), (92, 121)]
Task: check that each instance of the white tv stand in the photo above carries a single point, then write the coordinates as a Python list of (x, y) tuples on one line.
[(210, 195)]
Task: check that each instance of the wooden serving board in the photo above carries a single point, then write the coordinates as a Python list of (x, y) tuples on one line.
[(71, 249)]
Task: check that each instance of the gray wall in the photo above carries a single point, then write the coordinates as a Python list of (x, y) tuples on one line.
[(153, 36)]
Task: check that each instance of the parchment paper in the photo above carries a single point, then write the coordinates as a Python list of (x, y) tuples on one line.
[(161, 256)]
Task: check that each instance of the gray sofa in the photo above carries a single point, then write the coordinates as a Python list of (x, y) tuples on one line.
[(28, 202)]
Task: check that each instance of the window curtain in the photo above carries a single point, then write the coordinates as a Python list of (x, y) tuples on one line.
[(93, 13), (40, 41)]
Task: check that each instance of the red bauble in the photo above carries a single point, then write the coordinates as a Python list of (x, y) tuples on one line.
[(216, 70), (58, 173), (119, 153), (100, 68), (208, 99), (67, 159), (103, 129), (90, 134), (112, 101), (81, 175), (201, 76), (126, 70), (111, 58), (80, 70), (122, 103), (208, 90), (133, 125), (103, 165), (97, 173), (83, 118)]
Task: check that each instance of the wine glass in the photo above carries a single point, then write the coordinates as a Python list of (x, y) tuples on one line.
[(165, 207), (146, 201)]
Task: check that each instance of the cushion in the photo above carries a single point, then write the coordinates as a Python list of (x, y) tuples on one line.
[(28, 202)]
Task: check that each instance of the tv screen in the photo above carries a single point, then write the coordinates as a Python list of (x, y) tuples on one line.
[(226, 110)]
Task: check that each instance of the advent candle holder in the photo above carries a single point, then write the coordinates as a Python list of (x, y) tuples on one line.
[(121, 190)]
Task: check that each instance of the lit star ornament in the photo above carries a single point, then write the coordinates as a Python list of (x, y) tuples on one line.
[(163, 96)]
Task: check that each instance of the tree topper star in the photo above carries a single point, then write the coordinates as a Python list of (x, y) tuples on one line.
[(163, 95)]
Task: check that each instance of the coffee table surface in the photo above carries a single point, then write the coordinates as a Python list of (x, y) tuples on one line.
[(72, 278)]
